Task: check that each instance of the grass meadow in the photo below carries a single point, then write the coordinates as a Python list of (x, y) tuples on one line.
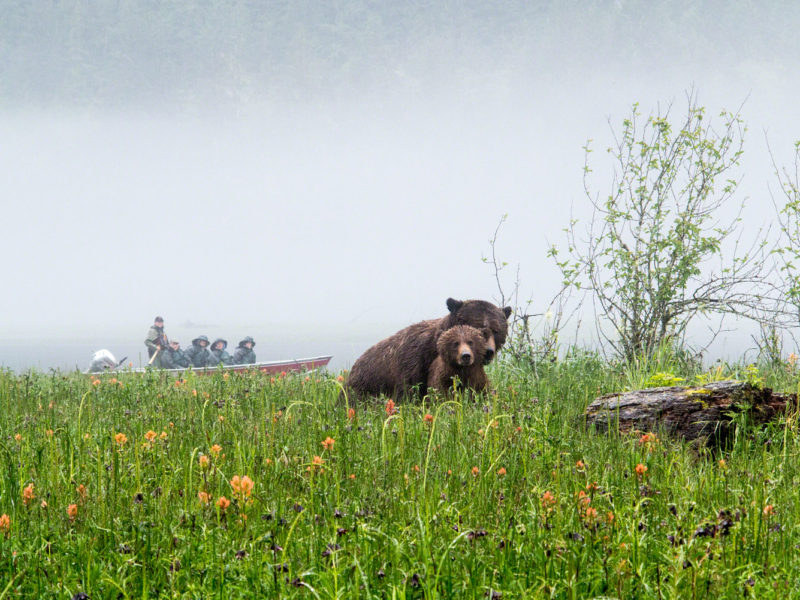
[(251, 486)]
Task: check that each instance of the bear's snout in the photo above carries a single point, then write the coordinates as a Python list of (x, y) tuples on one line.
[(490, 349), (466, 358)]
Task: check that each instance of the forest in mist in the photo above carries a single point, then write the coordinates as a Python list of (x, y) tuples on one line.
[(131, 53)]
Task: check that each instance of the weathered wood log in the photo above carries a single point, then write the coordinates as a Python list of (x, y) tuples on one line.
[(703, 413)]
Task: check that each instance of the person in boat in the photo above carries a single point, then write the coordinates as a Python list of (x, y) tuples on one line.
[(102, 360), (244, 354), (198, 352), (156, 342), (174, 358), (218, 353)]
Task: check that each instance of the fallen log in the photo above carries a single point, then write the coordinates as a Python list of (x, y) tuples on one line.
[(704, 414)]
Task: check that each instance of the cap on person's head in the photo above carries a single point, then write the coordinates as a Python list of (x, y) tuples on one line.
[(158, 320), (174, 341)]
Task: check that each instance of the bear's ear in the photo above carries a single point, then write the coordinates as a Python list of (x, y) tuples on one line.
[(507, 311), (454, 305)]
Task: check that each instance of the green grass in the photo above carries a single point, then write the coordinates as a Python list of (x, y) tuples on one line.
[(505, 496)]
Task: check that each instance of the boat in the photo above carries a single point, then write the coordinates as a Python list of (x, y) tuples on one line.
[(274, 367)]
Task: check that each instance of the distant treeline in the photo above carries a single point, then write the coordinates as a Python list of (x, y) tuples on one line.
[(144, 52)]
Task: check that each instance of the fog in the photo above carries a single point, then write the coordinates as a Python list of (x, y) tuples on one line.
[(325, 175)]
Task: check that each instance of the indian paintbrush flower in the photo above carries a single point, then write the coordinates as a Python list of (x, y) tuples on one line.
[(28, 494)]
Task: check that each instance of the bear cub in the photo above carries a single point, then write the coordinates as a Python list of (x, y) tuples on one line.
[(461, 353)]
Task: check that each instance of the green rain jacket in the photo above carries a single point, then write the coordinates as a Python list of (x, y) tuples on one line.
[(244, 356)]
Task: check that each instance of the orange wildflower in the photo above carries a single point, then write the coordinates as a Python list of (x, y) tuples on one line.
[(242, 485), (72, 511), (203, 460), (81, 489), (416, 468), (610, 517), (225, 376), (121, 439), (95, 382), (591, 513), (475, 471), (215, 449), (163, 435), (328, 443), (769, 510), (49, 433), (390, 409), (641, 470), (339, 378), (18, 437), (317, 461), (548, 500), (204, 497), (5, 523), (43, 504), (283, 373), (28, 494), (247, 485), (501, 471), (351, 413), (352, 475), (428, 418), (194, 393), (223, 503), (647, 438), (580, 465), (221, 418), (150, 435)]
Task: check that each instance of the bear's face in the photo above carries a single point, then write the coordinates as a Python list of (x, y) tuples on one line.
[(462, 345), (482, 315)]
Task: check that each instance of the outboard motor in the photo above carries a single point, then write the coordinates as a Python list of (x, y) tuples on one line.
[(102, 360)]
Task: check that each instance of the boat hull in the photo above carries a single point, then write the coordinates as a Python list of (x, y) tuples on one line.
[(274, 367)]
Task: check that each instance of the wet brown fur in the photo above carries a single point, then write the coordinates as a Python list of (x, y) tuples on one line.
[(452, 345), (401, 362)]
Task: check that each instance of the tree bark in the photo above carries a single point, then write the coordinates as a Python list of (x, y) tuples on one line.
[(703, 413)]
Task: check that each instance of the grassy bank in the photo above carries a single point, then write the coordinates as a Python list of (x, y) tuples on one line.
[(245, 486)]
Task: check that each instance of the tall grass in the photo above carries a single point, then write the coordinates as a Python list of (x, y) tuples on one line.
[(504, 495)]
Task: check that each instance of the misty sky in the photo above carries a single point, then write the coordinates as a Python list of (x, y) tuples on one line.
[(337, 188)]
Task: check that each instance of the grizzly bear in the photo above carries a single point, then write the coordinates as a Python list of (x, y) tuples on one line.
[(460, 351), (400, 363)]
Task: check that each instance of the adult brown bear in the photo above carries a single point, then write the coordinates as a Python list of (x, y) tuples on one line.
[(400, 363), (461, 351)]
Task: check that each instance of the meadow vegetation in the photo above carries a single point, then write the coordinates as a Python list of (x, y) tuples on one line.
[(243, 486)]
